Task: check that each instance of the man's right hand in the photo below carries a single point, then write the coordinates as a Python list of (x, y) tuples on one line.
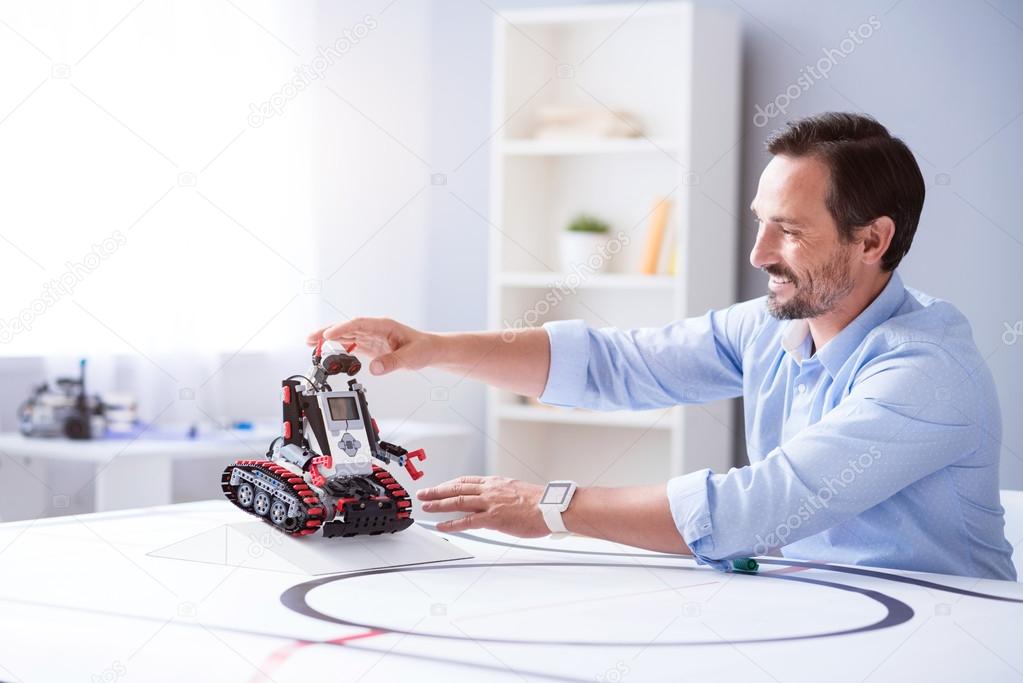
[(391, 345), (513, 360)]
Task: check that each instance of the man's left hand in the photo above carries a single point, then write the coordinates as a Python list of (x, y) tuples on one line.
[(499, 503)]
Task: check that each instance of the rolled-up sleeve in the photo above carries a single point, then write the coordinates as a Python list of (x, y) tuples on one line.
[(893, 429), (690, 361), (688, 499), (566, 380)]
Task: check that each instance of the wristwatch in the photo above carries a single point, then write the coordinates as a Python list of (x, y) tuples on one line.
[(555, 500)]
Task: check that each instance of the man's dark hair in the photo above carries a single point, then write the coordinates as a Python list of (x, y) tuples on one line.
[(873, 174)]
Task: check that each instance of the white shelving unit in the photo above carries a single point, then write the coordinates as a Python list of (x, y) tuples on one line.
[(530, 280), (675, 68)]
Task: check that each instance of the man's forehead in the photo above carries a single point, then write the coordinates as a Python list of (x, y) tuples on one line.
[(792, 185)]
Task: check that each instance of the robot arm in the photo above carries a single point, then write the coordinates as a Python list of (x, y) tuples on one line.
[(403, 457)]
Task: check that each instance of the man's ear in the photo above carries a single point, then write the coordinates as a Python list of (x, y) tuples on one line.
[(875, 238)]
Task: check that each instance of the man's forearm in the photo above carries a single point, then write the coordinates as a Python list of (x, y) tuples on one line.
[(514, 360), (633, 515)]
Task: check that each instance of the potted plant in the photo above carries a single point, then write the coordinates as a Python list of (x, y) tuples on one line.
[(581, 240)]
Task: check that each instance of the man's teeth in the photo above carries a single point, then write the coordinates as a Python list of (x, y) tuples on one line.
[(779, 281)]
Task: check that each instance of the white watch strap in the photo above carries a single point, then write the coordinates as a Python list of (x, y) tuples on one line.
[(552, 516)]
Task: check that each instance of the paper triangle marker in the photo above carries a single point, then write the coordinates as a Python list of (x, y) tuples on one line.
[(256, 545)]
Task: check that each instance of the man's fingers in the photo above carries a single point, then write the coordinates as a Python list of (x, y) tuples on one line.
[(456, 504), (314, 337), (456, 487), (388, 362), (331, 332), (470, 521), (350, 329)]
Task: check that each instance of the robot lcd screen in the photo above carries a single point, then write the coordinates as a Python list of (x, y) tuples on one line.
[(343, 408)]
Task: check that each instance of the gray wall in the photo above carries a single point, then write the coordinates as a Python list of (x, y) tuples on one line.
[(945, 76)]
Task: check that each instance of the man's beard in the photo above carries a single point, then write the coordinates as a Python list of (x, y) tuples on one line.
[(815, 293)]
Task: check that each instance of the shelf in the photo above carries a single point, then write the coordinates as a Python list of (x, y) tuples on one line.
[(570, 147), (571, 16), (675, 68), (528, 280), (646, 419)]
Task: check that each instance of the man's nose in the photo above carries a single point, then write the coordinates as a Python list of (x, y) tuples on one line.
[(764, 251)]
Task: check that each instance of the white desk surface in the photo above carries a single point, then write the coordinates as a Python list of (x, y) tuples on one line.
[(82, 599), (225, 444), (222, 444)]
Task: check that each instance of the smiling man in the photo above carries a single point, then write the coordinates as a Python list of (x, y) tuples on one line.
[(872, 423)]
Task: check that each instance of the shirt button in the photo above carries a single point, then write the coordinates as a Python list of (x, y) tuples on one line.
[(801, 388)]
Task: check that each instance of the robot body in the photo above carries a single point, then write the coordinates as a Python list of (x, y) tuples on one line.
[(331, 481)]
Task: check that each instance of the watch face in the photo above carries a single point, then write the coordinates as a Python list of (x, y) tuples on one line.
[(555, 494)]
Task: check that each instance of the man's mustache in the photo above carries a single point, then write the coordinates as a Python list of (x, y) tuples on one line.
[(779, 272)]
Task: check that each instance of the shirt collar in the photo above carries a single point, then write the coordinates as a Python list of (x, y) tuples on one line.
[(796, 337)]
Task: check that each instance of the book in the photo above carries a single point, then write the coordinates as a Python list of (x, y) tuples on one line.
[(655, 237), (669, 252)]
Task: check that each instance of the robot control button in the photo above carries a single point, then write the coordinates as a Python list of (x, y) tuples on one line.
[(349, 444)]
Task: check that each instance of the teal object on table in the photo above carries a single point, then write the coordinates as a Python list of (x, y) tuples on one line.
[(745, 564)]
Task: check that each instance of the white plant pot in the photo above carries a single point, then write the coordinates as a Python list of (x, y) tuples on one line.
[(582, 250)]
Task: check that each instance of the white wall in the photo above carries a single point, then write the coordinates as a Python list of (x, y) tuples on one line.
[(382, 246)]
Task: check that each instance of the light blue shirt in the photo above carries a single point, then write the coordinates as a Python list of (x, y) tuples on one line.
[(880, 449)]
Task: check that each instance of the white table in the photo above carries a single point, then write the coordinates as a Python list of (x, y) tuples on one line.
[(130, 473), (87, 597)]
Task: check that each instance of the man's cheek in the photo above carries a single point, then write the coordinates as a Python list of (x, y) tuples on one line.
[(796, 273)]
